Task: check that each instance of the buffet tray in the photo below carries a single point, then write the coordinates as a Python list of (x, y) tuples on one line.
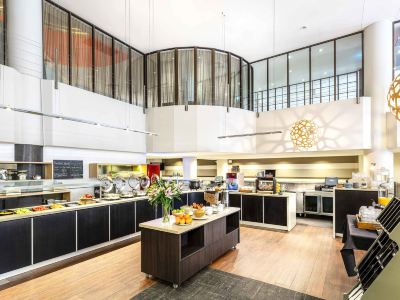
[(367, 225)]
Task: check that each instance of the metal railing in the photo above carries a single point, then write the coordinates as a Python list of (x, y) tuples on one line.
[(348, 85)]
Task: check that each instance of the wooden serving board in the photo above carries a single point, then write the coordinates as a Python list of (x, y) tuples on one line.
[(366, 225)]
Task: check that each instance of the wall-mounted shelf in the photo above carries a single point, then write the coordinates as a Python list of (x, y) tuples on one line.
[(44, 169)]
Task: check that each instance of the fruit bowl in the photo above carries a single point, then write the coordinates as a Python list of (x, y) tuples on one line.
[(183, 220), (199, 212)]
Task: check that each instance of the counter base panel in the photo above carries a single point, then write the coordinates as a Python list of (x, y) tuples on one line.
[(267, 226)]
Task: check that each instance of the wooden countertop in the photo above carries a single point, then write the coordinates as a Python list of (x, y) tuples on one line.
[(170, 227)]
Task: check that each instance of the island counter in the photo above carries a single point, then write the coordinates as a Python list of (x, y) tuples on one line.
[(175, 253), (274, 211)]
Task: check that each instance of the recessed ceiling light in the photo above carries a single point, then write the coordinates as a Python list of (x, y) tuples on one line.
[(398, 52), (290, 71), (289, 56), (325, 73), (302, 80), (321, 49), (303, 27)]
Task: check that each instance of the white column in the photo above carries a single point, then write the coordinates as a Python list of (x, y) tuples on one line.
[(189, 168), (222, 167), (24, 36), (378, 76)]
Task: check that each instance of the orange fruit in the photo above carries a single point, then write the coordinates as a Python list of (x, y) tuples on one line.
[(182, 221), (177, 220), (188, 220), (187, 216)]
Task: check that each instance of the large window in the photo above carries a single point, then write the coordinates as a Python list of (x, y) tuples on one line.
[(396, 48), (55, 38), (185, 76), (221, 78), (137, 69), (235, 81), (299, 77), (348, 66), (167, 75), (310, 75), (89, 58), (103, 64), (152, 80), (277, 82), (121, 69), (81, 54), (204, 77)]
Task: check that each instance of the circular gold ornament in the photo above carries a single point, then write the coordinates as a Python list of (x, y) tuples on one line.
[(304, 134), (393, 97)]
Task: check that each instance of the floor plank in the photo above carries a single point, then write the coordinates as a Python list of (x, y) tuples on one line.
[(306, 260)]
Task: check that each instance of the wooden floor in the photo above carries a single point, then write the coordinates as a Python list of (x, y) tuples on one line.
[(307, 260)]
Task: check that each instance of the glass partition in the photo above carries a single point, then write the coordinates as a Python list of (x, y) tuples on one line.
[(348, 66), (204, 77), (322, 73), (103, 63), (260, 85), (299, 77), (152, 81), (235, 81), (396, 48), (137, 68), (277, 82), (167, 72), (81, 54), (121, 71), (185, 76), (55, 36), (221, 78)]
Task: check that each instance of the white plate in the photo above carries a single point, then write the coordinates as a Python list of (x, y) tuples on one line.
[(201, 218)]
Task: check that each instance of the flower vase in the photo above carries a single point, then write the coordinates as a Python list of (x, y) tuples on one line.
[(165, 213)]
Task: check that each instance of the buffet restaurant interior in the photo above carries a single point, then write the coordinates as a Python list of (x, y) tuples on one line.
[(200, 149)]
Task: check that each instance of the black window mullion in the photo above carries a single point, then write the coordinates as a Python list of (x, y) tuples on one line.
[(176, 77), (113, 68), (145, 105), (267, 84), (240, 80), (159, 78), (309, 76), (287, 82), (213, 77), (229, 58), (195, 75), (334, 74), (93, 60), (130, 75), (69, 50)]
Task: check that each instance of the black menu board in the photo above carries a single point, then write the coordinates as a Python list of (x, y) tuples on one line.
[(67, 169)]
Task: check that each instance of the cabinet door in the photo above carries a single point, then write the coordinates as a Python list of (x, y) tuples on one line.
[(93, 226), (327, 205), (15, 246), (196, 197), (252, 208), (122, 220), (275, 210), (311, 204), (54, 235), (144, 212)]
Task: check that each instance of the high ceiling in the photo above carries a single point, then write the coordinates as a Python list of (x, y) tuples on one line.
[(249, 25)]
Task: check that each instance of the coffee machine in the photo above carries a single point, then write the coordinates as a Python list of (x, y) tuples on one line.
[(266, 182)]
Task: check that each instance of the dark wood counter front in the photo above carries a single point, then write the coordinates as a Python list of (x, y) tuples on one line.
[(175, 253)]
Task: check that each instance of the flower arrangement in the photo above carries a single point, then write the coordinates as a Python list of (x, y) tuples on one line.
[(162, 192)]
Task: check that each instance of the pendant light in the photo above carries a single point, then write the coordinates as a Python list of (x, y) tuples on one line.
[(393, 97), (304, 134)]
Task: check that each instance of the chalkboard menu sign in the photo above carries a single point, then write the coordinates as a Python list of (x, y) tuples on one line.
[(67, 169)]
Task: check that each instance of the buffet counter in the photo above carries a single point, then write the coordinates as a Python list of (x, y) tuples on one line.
[(275, 211)]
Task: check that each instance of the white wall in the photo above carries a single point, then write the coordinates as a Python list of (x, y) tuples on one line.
[(197, 129), (24, 91), (343, 125)]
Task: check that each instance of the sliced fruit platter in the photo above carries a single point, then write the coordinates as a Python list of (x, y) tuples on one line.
[(6, 213), (40, 208), (56, 206), (183, 220), (22, 211)]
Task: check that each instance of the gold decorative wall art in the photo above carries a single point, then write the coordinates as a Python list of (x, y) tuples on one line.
[(393, 97), (304, 134)]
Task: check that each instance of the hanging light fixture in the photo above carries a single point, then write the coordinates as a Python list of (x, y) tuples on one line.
[(393, 97), (304, 134)]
